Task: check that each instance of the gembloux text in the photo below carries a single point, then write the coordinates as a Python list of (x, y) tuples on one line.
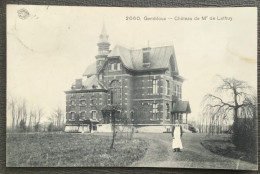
[(179, 18)]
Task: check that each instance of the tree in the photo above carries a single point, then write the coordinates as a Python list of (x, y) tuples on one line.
[(231, 97), (12, 105), (112, 112), (22, 126), (57, 118)]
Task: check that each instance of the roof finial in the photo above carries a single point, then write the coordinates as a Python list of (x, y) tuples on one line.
[(104, 32)]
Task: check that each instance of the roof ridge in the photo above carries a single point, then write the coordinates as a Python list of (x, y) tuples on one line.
[(134, 49)]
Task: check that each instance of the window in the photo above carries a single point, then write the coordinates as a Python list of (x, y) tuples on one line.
[(73, 116), (100, 76), (112, 67), (115, 92), (94, 115), (83, 102), (168, 111), (178, 91), (175, 90), (115, 66), (155, 111), (72, 102), (93, 100), (118, 66), (167, 87), (155, 86)]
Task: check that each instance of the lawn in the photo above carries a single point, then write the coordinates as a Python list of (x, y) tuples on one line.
[(222, 145), (71, 150)]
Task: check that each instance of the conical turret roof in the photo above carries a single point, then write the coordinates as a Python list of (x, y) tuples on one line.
[(103, 37)]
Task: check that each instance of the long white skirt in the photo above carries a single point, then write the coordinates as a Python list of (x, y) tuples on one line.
[(176, 143)]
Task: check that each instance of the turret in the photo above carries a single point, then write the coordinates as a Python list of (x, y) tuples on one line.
[(103, 48)]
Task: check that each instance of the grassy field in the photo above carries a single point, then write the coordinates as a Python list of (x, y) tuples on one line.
[(68, 150), (222, 145)]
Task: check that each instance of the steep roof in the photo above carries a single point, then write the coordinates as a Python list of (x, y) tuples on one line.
[(103, 37), (133, 58), (181, 107), (90, 70), (88, 83)]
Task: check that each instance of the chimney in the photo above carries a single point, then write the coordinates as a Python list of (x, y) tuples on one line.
[(78, 83), (146, 57)]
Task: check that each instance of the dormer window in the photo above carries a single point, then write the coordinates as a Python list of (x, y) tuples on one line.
[(146, 57), (100, 76), (118, 66), (113, 67)]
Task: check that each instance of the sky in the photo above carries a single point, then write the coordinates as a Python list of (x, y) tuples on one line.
[(51, 46)]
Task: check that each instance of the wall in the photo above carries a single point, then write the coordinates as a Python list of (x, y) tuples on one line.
[(78, 107)]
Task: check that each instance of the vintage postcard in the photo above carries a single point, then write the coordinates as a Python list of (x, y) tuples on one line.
[(131, 87)]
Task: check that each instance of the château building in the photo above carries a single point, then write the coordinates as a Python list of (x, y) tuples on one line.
[(147, 77)]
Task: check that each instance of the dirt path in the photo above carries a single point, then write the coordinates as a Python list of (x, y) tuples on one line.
[(194, 155)]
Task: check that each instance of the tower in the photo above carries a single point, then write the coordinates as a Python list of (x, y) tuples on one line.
[(103, 48), (103, 44)]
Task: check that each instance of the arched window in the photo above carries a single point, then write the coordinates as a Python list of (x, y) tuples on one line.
[(82, 100), (115, 92), (72, 101), (93, 100)]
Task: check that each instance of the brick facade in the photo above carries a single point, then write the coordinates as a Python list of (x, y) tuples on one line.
[(113, 81)]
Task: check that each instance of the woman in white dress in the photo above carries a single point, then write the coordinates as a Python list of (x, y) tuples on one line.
[(176, 135)]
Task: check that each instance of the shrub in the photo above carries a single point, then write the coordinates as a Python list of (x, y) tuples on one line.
[(245, 136), (50, 127), (22, 126)]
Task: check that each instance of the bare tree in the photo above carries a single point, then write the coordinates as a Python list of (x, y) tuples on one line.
[(12, 106), (57, 118), (111, 112), (31, 116), (24, 111), (231, 97)]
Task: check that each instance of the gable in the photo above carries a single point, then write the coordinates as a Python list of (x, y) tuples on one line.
[(173, 68)]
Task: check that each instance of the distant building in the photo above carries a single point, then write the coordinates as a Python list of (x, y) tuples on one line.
[(130, 78)]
